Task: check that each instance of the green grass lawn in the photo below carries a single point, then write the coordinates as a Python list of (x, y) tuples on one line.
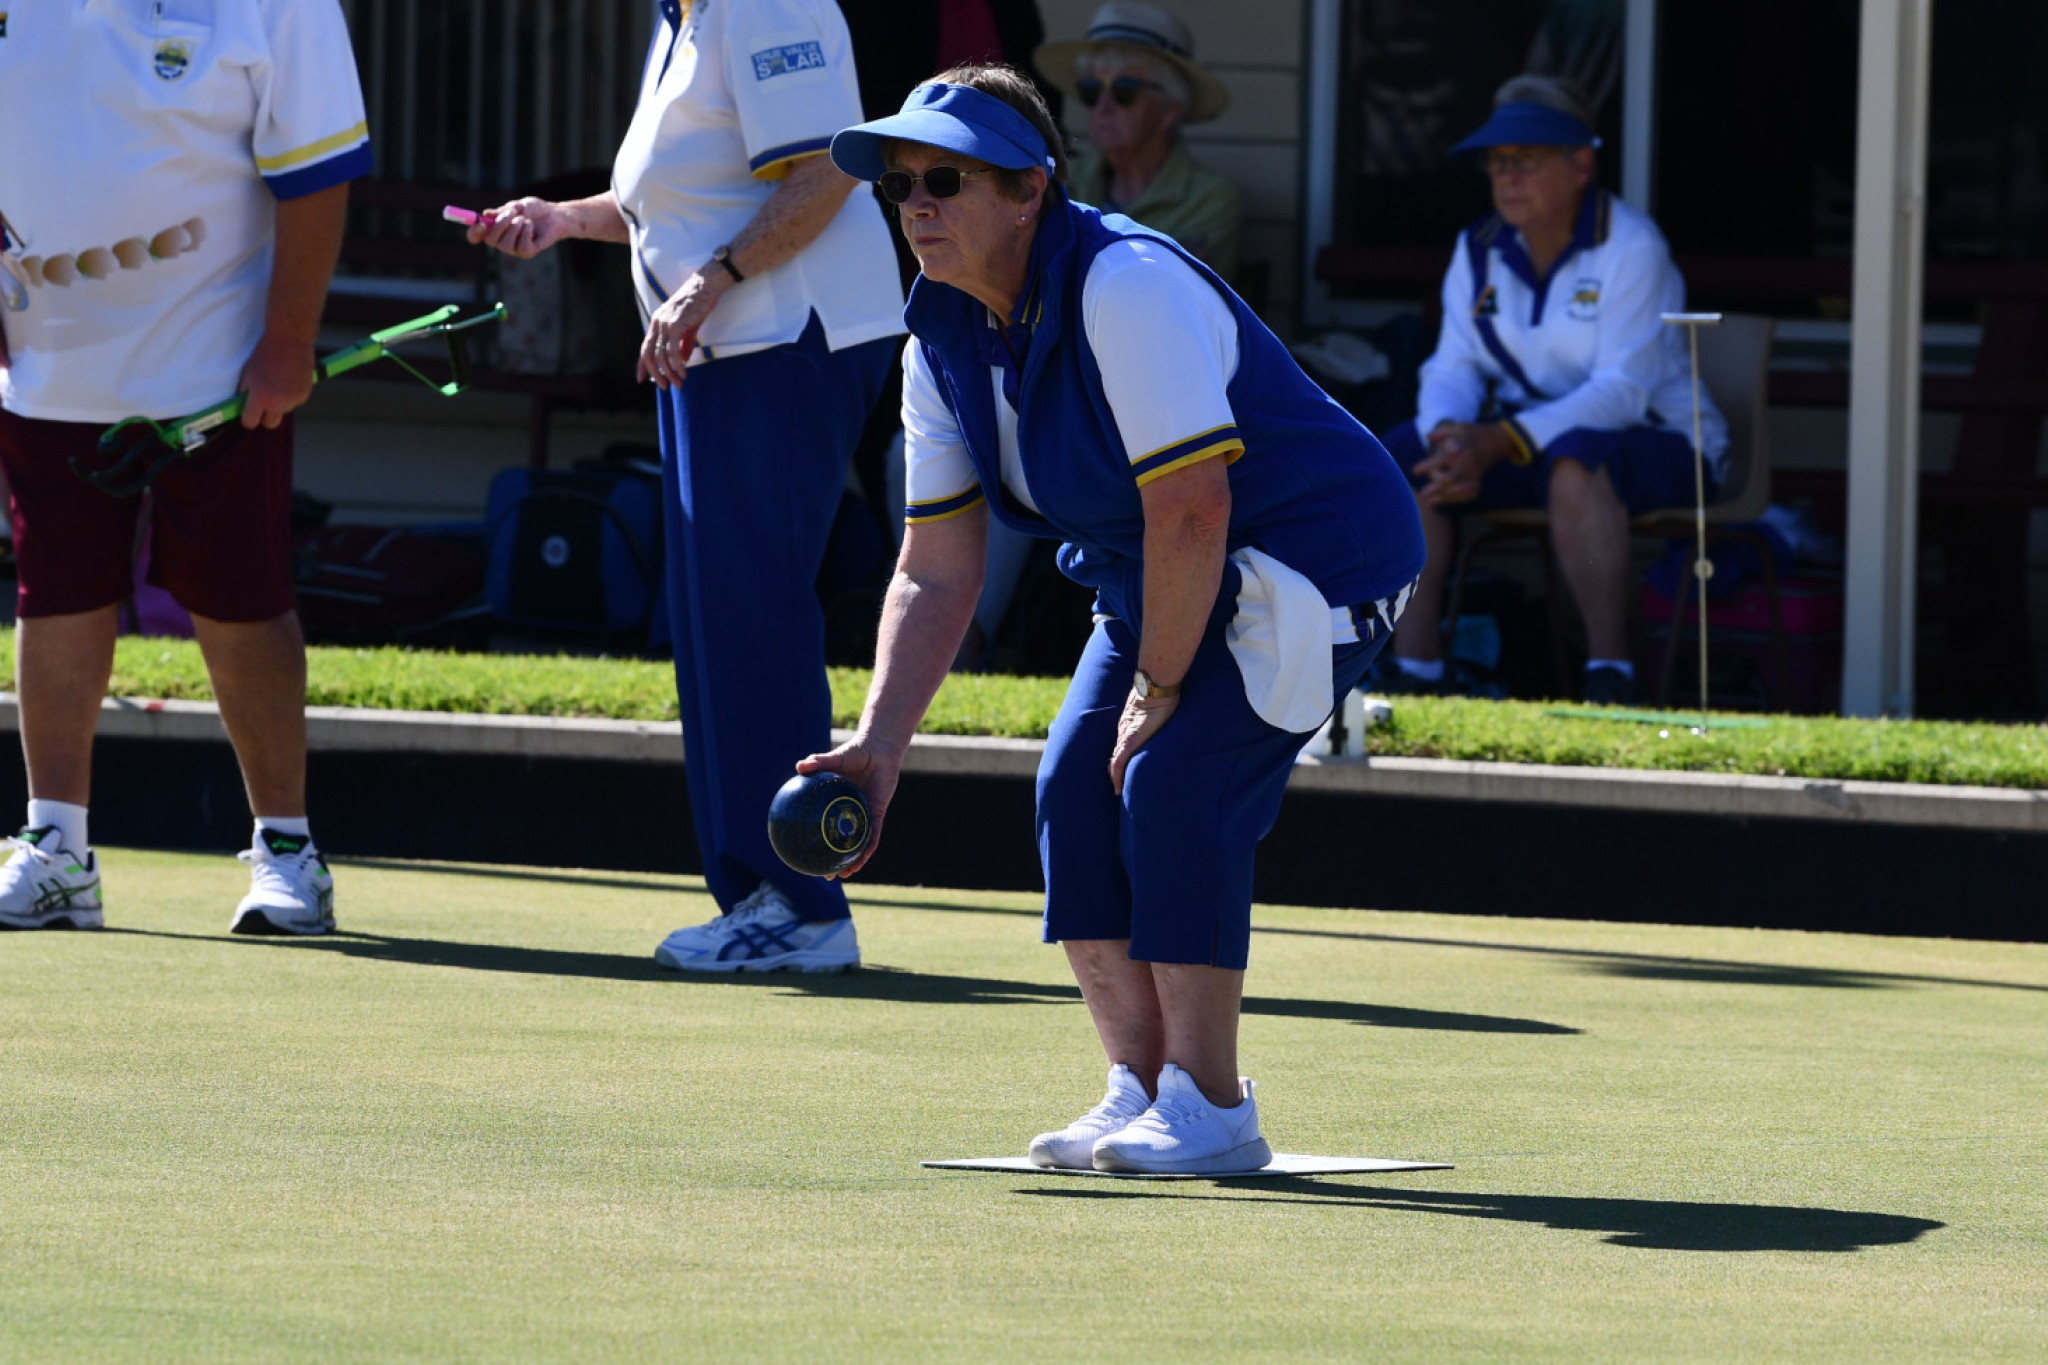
[(481, 1125), (996, 704)]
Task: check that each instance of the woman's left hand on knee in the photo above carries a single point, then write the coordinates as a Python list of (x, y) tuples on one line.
[(1140, 721)]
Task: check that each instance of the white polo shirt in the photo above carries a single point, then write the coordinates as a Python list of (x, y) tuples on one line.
[(734, 91), (1166, 344), (1587, 336), (144, 145)]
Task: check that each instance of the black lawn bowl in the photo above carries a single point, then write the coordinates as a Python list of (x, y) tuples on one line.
[(818, 824)]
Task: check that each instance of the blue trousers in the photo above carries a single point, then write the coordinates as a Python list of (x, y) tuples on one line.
[(754, 451), (1168, 865), (1649, 466)]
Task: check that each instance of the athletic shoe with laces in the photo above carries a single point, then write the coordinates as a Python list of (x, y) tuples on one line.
[(1183, 1134), (1074, 1145), (762, 934), (290, 889), (44, 885)]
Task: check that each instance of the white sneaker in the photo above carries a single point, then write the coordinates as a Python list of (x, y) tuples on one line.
[(44, 885), (290, 889), (1074, 1145), (762, 934), (1183, 1134)]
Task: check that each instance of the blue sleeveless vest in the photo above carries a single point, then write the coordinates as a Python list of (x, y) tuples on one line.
[(1313, 488)]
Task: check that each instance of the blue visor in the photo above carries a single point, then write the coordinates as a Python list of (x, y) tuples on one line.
[(957, 118), (1517, 124)]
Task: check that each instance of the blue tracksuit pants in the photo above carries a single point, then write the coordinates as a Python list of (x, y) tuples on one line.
[(754, 455)]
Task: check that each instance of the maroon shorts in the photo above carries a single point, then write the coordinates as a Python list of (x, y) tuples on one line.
[(220, 523)]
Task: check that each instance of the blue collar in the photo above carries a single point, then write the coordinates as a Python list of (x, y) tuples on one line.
[(1596, 220)]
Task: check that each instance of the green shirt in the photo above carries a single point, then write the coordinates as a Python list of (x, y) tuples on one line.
[(1187, 201)]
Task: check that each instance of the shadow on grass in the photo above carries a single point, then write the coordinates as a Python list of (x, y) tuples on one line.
[(1394, 1016), (568, 877), (1655, 967), (869, 983), (1659, 1224)]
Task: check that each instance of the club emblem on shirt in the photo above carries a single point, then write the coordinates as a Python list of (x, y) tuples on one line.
[(173, 59), (1486, 305), (3, 23), (1585, 301)]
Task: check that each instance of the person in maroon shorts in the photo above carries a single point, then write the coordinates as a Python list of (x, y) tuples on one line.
[(166, 240)]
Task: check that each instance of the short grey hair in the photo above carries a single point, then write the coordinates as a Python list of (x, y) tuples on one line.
[(1107, 61), (1552, 92)]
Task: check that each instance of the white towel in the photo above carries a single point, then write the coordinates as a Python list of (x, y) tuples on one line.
[(1282, 637)]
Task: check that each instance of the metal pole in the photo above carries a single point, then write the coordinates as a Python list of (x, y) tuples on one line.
[(1884, 358), (1702, 567), (1639, 104)]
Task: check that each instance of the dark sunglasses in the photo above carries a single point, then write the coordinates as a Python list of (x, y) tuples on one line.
[(943, 181), (1124, 90)]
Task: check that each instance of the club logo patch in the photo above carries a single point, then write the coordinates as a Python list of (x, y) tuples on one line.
[(1585, 301), (788, 60), (173, 59), (1486, 305), (3, 23)]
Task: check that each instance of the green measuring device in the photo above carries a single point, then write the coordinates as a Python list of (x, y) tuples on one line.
[(147, 447)]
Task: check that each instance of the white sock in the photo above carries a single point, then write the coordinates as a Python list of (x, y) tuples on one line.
[(66, 818), (296, 825), (1621, 666), (1432, 671)]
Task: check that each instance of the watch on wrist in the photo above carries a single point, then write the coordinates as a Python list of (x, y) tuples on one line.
[(1147, 690), (723, 256)]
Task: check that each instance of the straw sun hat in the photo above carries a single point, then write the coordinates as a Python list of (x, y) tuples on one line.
[(1158, 33)]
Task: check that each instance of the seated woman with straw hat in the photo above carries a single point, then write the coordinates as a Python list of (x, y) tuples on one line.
[(1136, 75)]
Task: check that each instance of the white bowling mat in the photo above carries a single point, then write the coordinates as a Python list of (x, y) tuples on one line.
[(1283, 1163)]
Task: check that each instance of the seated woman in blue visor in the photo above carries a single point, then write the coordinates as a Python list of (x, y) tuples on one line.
[(1250, 545), (1554, 383)]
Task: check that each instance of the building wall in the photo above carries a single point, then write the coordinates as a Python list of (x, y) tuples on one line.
[(1256, 49)]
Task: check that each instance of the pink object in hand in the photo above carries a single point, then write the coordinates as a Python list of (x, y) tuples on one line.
[(466, 217)]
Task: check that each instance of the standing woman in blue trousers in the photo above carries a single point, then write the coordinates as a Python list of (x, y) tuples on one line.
[(770, 294)]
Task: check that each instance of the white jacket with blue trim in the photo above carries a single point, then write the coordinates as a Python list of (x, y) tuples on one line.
[(1588, 337)]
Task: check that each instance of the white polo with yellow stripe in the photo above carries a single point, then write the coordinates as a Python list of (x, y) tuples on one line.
[(1166, 345), (144, 145), (734, 93)]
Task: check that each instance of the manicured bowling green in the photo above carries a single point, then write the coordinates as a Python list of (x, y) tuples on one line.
[(480, 1124)]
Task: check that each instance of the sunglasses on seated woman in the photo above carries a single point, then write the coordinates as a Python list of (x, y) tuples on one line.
[(943, 181), (1124, 90)]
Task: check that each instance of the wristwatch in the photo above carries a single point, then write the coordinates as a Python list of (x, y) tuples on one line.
[(723, 256), (1146, 689)]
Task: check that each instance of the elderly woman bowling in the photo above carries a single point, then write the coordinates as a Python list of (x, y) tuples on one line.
[(1073, 375)]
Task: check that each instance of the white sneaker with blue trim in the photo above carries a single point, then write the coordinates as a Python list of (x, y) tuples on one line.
[(44, 885), (1074, 1145), (1183, 1134), (762, 934), (290, 889)]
